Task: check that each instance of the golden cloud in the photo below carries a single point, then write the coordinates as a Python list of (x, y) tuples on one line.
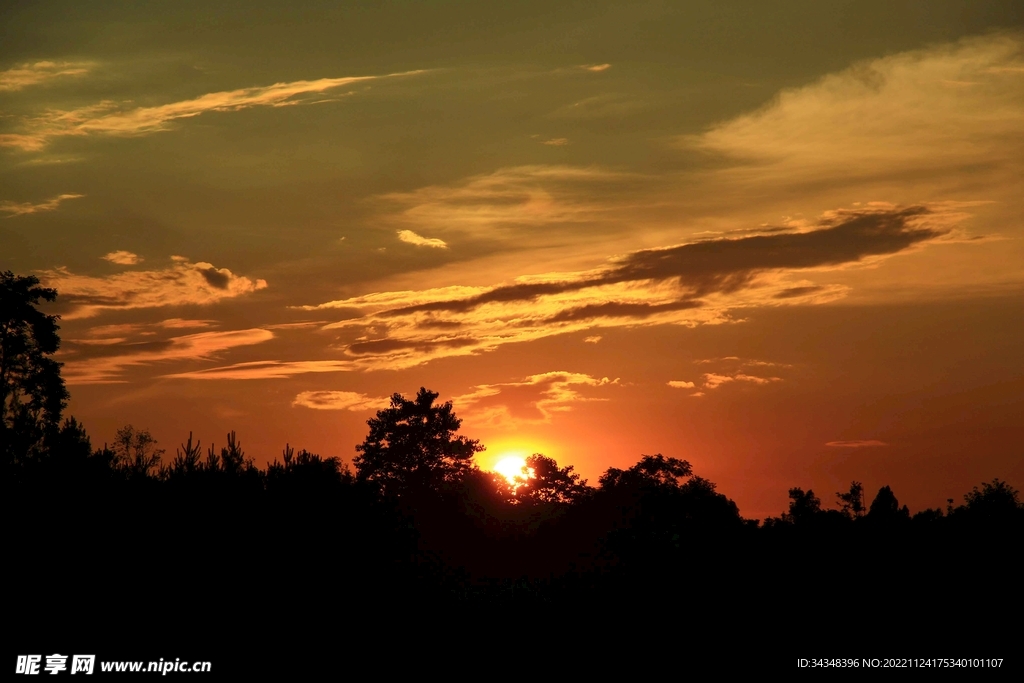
[(689, 284), (183, 283), (122, 258), (339, 400), (22, 208), (111, 118), (714, 380), (694, 283), (952, 106), (409, 237), (267, 369), (539, 396), (519, 197), (27, 74), (117, 355)]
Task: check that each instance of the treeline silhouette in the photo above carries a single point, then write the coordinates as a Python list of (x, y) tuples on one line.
[(204, 543), (125, 529)]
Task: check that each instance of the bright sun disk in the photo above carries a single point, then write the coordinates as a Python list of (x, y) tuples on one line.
[(512, 466)]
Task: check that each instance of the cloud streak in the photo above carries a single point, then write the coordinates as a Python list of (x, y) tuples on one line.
[(24, 208), (24, 75), (688, 284), (714, 380), (409, 237), (267, 369), (182, 283), (491, 205), (111, 118), (339, 400), (729, 265), (537, 398), (110, 360)]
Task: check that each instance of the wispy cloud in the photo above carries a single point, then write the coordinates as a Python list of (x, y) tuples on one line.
[(27, 74), (409, 237), (517, 197), (714, 380), (267, 369), (556, 142), (596, 67), (535, 399), (122, 258), (182, 283), (339, 400), (106, 363), (128, 329), (604, 106), (113, 118), (680, 384), (689, 284), (856, 443), (179, 323), (888, 116), (730, 265), (736, 361), (22, 208)]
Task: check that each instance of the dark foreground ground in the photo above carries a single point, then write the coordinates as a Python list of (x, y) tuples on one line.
[(304, 569)]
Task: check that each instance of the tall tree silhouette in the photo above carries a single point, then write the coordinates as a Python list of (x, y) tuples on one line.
[(413, 446), (803, 507), (851, 503), (886, 508), (549, 483), (32, 392), (135, 452)]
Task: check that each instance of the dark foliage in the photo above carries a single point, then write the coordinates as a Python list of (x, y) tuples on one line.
[(217, 550), (412, 447), (32, 392)]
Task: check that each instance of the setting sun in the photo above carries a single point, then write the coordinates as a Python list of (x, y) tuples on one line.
[(512, 466)]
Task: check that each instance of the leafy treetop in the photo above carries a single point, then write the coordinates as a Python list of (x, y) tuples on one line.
[(32, 392), (413, 446)]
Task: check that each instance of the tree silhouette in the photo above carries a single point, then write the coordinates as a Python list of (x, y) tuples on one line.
[(135, 452), (994, 500), (802, 506), (412, 446), (549, 483), (886, 507), (652, 471), (186, 458), (32, 392), (851, 503), (231, 459)]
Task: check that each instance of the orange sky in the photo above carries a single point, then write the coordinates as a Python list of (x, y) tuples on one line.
[(625, 229)]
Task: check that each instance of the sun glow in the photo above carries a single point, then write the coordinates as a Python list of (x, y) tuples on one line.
[(512, 466)]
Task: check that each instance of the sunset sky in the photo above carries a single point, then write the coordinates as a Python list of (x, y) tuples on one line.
[(780, 240)]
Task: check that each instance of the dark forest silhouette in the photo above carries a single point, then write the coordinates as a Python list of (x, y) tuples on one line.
[(415, 525)]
